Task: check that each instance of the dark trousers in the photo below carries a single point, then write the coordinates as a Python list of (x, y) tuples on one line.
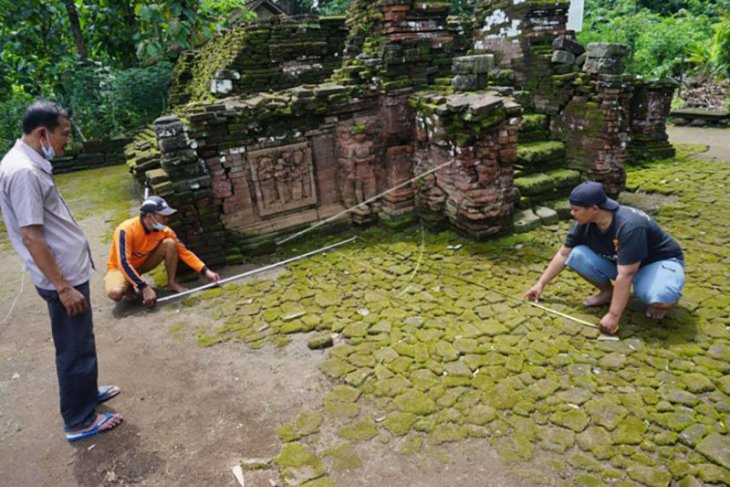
[(76, 365)]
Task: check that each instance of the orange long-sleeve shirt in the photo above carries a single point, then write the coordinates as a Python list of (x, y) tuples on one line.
[(132, 244)]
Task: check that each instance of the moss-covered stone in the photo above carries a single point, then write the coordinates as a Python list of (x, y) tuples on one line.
[(319, 341), (573, 419), (415, 402), (358, 431), (298, 464), (652, 477), (305, 424), (717, 448), (446, 433), (399, 423), (594, 437), (606, 412), (344, 457), (336, 368), (557, 440), (630, 432)]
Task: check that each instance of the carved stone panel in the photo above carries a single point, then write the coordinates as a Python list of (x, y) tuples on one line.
[(283, 178)]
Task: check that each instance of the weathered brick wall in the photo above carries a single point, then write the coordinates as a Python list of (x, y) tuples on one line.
[(396, 44), (269, 54), (91, 154), (245, 170)]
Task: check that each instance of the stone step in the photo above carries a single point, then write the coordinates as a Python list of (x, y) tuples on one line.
[(540, 154), (530, 219), (533, 121), (561, 206), (539, 187), (534, 128)]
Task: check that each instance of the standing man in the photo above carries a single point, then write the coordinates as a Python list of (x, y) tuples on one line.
[(54, 249), (139, 245), (609, 242)]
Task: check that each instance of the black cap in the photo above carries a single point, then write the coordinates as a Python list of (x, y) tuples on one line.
[(591, 193), (155, 204)]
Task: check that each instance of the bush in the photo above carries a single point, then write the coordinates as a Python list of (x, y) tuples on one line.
[(11, 116), (659, 45), (108, 102), (105, 102)]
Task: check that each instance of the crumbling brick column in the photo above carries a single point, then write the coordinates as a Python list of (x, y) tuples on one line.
[(650, 106), (477, 133), (183, 180), (595, 123)]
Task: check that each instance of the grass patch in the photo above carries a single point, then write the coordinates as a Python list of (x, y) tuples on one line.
[(107, 191)]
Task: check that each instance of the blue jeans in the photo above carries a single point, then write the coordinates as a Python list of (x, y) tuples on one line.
[(76, 365), (658, 282)]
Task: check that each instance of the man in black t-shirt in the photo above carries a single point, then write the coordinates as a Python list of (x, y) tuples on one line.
[(617, 243)]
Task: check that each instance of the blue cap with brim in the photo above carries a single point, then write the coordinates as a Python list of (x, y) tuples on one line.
[(155, 204), (591, 193)]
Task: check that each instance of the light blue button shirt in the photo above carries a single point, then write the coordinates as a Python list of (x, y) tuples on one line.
[(29, 196)]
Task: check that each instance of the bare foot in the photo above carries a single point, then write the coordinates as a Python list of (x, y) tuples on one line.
[(604, 297), (174, 286), (657, 311), (130, 294)]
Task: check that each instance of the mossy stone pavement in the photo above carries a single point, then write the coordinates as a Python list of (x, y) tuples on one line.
[(422, 359)]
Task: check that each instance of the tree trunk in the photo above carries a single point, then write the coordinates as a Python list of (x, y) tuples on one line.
[(73, 18)]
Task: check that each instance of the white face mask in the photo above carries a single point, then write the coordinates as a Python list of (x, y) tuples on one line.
[(48, 152)]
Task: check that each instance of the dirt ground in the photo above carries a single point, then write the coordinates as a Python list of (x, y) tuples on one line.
[(718, 140), (191, 413)]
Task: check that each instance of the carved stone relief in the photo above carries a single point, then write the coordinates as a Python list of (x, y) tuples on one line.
[(283, 178)]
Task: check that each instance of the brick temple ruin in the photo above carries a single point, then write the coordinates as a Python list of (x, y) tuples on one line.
[(521, 110)]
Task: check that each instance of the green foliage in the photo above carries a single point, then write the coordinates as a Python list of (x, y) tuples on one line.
[(719, 59), (108, 101), (11, 114), (34, 49), (462, 7), (333, 7), (168, 28), (660, 45), (109, 93)]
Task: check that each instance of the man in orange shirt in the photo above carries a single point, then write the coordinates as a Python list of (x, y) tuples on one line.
[(139, 245)]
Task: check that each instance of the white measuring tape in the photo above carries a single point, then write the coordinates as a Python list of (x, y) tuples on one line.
[(255, 271)]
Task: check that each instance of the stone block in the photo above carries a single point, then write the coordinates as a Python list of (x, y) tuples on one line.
[(568, 44), (155, 176), (168, 144), (477, 64), (525, 220), (607, 49), (459, 103), (547, 216), (563, 57), (604, 65), (561, 207), (485, 104), (169, 126), (465, 82)]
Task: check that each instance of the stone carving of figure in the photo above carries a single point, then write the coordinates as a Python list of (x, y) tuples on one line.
[(360, 181), (299, 172), (282, 176), (265, 172)]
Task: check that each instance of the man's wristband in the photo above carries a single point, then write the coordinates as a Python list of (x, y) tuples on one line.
[(203, 270), (142, 286)]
